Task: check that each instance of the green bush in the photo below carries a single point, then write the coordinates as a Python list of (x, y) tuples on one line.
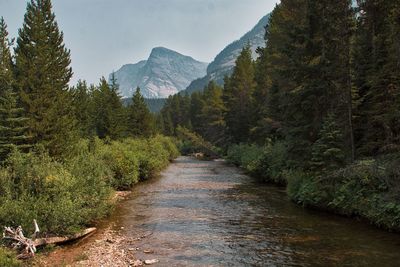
[(132, 160), (169, 145), (368, 189), (8, 258), (272, 165), (123, 162), (267, 163), (245, 156), (192, 142), (304, 189), (60, 196), (70, 195)]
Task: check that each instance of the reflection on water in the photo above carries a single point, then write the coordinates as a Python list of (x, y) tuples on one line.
[(207, 213)]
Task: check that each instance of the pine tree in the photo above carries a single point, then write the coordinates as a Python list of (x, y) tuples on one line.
[(304, 73), (327, 151), (12, 129), (377, 76), (109, 113), (140, 120), (212, 115), (43, 72), (238, 98), (287, 111), (196, 106), (83, 108)]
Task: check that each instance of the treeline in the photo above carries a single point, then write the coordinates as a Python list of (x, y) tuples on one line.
[(38, 107), (322, 103), (99, 111), (64, 150)]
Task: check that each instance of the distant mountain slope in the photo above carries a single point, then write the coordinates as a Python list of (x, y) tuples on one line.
[(225, 61), (164, 73)]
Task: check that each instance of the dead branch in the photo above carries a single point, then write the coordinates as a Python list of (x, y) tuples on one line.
[(27, 246), (59, 240)]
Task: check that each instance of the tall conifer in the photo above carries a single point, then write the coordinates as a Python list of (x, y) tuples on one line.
[(43, 72), (140, 120), (12, 129), (238, 97)]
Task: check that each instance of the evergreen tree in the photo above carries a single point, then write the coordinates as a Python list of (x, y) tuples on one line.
[(176, 111), (304, 73), (118, 122), (286, 103), (377, 64), (83, 108), (212, 114), (109, 113), (12, 129), (238, 98), (140, 120), (43, 72), (327, 151), (196, 107), (166, 117)]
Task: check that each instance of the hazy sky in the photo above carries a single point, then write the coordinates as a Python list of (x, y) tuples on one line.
[(105, 34)]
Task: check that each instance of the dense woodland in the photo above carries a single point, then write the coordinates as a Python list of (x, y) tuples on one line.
[(63, 150), (318, 110)]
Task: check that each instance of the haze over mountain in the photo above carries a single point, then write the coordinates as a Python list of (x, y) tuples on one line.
[(164, 73), (225, 61), (167, 72)]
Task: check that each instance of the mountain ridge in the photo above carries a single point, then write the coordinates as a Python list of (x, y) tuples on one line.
[(165, 72), (224, 62)]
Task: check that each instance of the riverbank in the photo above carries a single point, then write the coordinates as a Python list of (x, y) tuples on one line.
[(107, 247), (68, 195), (367, 189)]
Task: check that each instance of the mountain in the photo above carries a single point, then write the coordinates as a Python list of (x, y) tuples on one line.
[(224, 62), (164, 73)]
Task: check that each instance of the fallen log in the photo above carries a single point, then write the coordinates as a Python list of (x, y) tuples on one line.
[(59, 240), (27, 246)]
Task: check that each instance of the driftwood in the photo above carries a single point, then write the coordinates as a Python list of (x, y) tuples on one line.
[(59, 240), (27, 246)]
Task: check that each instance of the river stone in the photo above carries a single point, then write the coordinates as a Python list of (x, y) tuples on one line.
[(149, 262)]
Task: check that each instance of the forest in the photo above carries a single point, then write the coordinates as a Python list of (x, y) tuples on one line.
[(317, 112)]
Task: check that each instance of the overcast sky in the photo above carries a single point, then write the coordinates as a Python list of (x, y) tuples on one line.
[(105, 34)]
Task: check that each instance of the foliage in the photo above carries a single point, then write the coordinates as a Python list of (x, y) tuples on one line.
[(140, 120), (245, 156), (132, 160), (238, 98), (376, 65), (272, 166), (194, 143), (327, 151), (43, 72), (108, 111), (267, 163), (69, 195), (368, 188), (62, 197), (8, 258), (83, 107), (12, 122)]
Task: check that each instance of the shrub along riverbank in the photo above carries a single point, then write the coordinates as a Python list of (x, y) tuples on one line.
[(66, 196), (368, 189)]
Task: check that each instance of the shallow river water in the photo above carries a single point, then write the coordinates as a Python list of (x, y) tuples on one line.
[(207, 213)]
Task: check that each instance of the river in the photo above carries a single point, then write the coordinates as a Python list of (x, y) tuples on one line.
[(207, 213)]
